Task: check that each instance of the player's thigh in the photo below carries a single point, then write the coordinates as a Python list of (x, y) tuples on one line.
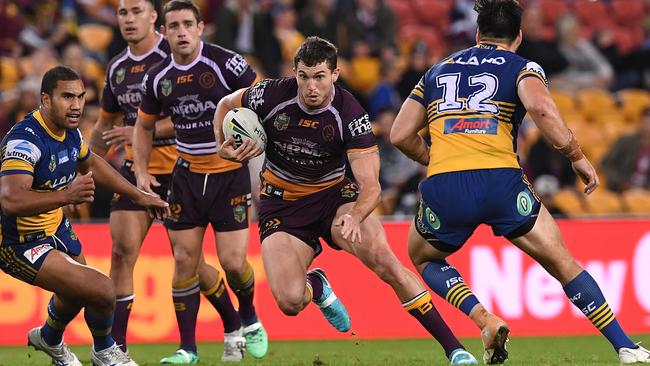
[(544, 244), (63, 275), (187, 245), (420, 251), (373, 249), (128, 230), (286, 259), (232, 247)]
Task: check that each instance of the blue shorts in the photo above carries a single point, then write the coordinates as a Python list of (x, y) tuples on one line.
[(24, 260), (454, 204)]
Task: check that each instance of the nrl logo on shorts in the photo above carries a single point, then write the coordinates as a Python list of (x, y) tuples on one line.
[(432, 218), (239, 213), (119, 76), (524, 204), (281, 122), (166, 87), (52, 164)]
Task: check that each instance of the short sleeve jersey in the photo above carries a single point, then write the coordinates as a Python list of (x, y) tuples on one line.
[(31, 148), (123, 94), (472, 108), (190, 93), (306, 149)]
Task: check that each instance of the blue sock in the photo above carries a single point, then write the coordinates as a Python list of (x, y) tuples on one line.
[(584, 293), (446, 281), (52, 330), (100, 327)]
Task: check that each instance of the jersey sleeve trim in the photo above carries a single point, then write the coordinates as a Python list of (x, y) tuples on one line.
[(16, 166)]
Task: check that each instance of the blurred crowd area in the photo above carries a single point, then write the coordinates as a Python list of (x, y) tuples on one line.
[(596, 55)]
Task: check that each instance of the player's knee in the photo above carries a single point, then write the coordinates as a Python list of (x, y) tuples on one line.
[(290, 302), (289, 307), (182, 255), (234, 265), (103, 294), (121, 256)]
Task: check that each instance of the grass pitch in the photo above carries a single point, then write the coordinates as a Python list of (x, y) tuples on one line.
[(590, 350)]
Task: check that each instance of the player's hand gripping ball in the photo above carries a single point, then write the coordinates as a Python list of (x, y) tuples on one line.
[(244, 124)]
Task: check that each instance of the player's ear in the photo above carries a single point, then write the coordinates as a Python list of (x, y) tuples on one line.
[(46, 100), (201, 26), (478, 36), (335, 74), (163, 30)]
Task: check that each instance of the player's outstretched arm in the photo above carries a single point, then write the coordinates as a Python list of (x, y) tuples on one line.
[(404, 133), (99, 143), (18, 199), (226, 148), (107, 176), (142, 144), (538, 102), (365, 167)]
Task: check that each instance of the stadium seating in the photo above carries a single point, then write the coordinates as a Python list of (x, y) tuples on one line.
[(593, 101), (602, 202), (633, 102), (637, 201), (569, 202), (95, 37)]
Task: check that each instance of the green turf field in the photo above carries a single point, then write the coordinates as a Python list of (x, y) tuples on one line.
[(523, 351)]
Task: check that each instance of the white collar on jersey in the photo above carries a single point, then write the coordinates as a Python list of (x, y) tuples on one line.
[(145, 55), (194, 62), (320, 110)]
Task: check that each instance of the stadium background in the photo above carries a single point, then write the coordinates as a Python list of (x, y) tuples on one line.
[(385, 48)]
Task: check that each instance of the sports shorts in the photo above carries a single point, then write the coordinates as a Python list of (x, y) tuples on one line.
[(24, 260), (454, 204), (198, 199), (308, 218)]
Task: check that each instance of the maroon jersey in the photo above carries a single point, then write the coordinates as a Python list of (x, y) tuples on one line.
[(123, 93), (306, 150), (190, 93)]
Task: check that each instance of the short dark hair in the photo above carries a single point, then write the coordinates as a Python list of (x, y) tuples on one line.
[(315, 50), (498, 18), (56, 74), (175, 5)]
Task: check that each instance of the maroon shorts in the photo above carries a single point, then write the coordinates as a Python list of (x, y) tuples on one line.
[(197, 199), (308, 218), (121, 203)]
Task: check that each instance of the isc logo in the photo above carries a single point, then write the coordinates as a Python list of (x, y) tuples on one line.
[(185, 79), (307, 123)]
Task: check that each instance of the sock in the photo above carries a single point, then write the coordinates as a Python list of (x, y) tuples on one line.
[(315, 286), (244, 288), (52, 330), (220, 299), (100, 328), (584, 293), (423, 310), (123, 305), (446, 281), (186, 304)]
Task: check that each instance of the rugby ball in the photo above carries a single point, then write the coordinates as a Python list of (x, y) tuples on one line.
[(244, 124)]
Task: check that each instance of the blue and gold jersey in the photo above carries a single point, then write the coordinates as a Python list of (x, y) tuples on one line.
[(472, 108), (31, 148)]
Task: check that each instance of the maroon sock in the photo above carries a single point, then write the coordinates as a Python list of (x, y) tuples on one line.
[(123, 304), (316, 285), (423, 310), (186, 303), (220, 299), (244, 289)]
